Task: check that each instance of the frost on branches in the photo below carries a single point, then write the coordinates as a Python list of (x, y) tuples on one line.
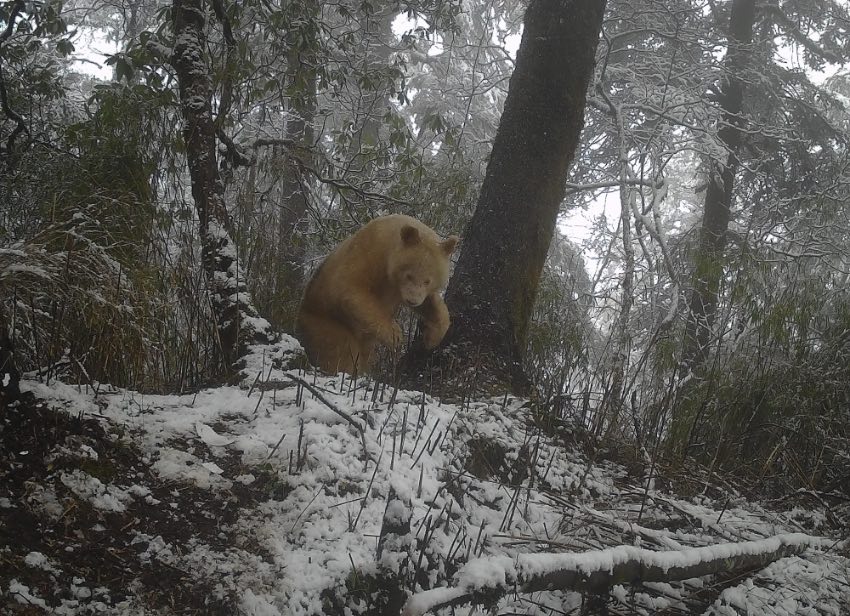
[(238, 322)]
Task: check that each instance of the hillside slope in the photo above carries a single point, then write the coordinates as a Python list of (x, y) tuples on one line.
[(264, 499)]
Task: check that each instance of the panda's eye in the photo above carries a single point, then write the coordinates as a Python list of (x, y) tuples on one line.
[(408, 276)]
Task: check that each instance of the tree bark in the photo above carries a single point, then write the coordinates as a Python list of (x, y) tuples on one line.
[(237, 320), (491, 294), (298, 128), (717, 213), (708, 258)]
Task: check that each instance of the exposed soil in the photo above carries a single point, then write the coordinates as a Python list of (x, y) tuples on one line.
[(95, 556)]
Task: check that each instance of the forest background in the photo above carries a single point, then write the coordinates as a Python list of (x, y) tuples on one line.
[(714, 321)]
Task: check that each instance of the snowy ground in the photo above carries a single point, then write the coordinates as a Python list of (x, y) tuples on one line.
[(261, 499)]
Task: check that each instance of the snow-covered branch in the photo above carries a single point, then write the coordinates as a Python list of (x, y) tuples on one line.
[(599, 571), (633, 181), (793, 32)]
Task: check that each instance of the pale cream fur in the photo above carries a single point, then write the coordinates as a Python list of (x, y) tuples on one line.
[(350, 304)]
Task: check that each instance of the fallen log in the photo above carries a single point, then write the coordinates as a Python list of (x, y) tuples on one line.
[(484, 580)]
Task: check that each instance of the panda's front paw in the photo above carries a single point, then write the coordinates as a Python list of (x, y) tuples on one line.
[(433, 332), (392, 336)]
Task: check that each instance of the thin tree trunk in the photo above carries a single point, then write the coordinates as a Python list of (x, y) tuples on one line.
[(298, 128), (492, 292), (708, 259), (7, 150), (373, 104), (612, 404), (621, 338), (237, 320)]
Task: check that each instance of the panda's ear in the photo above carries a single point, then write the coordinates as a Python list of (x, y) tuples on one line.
[(409, 235), (449, 244)]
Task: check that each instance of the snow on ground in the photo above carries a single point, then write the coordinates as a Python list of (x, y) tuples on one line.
[(484, 482)]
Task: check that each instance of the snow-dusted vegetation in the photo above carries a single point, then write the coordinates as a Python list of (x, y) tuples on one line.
[(262, 498), (632, 396)]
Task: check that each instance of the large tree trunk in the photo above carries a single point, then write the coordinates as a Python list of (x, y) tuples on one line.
[(708, 258), (237, 320), (491, 294)]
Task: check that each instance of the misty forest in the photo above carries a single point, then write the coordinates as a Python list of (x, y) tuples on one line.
[(642, 403)]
